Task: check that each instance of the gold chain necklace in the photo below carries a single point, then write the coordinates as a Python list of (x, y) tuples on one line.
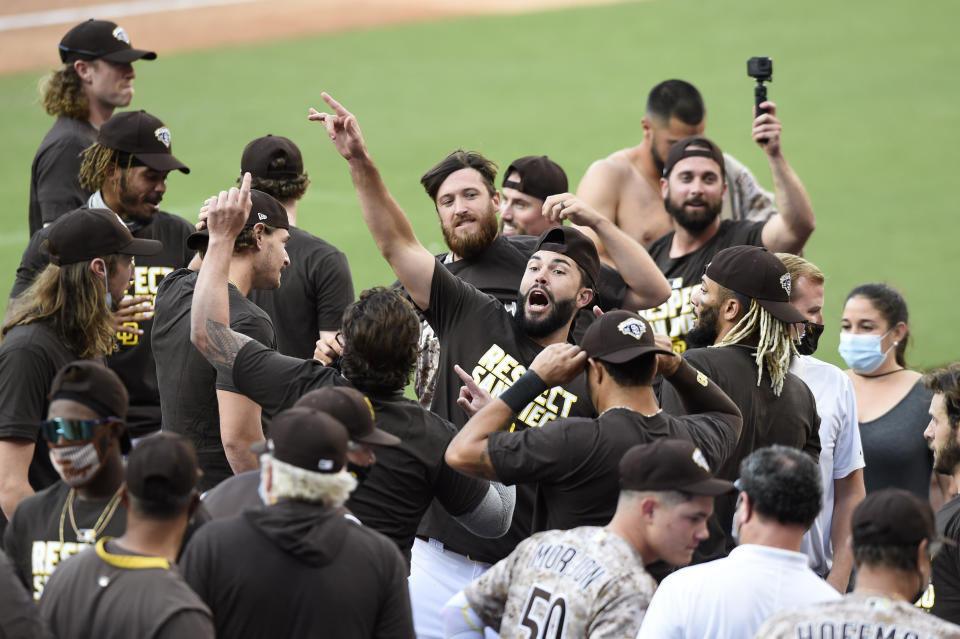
[(89, 535)]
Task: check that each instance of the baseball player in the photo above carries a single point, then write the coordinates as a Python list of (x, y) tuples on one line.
[(590, 581), (893, 539), (96, 78)]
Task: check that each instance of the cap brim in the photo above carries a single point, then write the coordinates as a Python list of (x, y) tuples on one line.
[(129, 55), (198, 240), (379, 437), (709, 487), (783, 311), (627, 354), (142, 247), (162, 161)]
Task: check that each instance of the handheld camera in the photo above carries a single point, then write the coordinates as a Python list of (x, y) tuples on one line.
[(761, 70)]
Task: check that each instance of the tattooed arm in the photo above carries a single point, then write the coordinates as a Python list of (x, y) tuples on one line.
[(210, 328)]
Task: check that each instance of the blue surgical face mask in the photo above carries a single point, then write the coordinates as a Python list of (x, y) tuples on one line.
[(863, 353)]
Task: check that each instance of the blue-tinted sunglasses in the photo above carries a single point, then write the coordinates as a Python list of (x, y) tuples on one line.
[(75, 430)]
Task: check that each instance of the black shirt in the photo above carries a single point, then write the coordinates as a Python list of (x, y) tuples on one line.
[(675, 316), (296, 569), (405, 479), (576, 461), (946, 564), (133, 361), (186, 381), (790, 420), (30, 356), (32, 538), (314, 291), (479, 334), (54, 183)]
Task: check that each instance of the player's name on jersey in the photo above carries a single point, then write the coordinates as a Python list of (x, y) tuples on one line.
[(497, 370), (569, 561)]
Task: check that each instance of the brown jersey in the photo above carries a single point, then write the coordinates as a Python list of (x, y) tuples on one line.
[(584, 582), (858, 616)]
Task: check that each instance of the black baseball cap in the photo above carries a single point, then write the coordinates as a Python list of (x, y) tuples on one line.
[(144, 137), (670, 464), (308, 439), (92, 384), (568, 241), (892, 517), (755, 272), (266, 209), (163, 469), (352, 409), (693, 146), (100, 39), (540, 177), (620, 336), (272, 157), (83, 234)]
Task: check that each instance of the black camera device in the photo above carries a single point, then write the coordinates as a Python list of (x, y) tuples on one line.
[(761, 70)]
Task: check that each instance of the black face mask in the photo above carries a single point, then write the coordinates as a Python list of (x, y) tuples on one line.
[(359, 472), (810, 339)]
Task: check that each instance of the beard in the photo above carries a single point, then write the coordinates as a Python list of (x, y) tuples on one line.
[(705, 332), (560, 314), (946, 458), (471, 244), (692, 222), (132, 204)]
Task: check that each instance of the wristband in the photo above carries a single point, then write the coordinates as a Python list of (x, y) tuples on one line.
[(523, 391)]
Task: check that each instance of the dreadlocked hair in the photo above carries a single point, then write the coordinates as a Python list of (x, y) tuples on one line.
[(62, 93), (774, 346), (96, 159)]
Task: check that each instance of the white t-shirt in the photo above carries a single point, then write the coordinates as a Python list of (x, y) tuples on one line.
[(730, 597), (841, 452)]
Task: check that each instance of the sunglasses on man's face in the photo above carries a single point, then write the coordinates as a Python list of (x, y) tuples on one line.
[(75, 430)]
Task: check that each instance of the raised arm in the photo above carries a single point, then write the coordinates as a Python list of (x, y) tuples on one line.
[(556, 364), (789, 231), (647, 287), (410, 260), (210, 328)]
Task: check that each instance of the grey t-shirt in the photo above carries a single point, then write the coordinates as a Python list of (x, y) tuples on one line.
[(896, 454)]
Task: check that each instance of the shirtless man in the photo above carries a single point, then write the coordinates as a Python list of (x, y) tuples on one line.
[(625, 186)]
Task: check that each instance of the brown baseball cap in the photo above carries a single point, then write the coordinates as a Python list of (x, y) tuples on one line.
[(352, 409), (694, 146), (619, 336), (144, 137), (272, 157), (266, 209), (569, 241), (83, 234), (892, 517), (100, 39), (308, 439), (755, 272), (670, 464), (162, 468), (540, 177)]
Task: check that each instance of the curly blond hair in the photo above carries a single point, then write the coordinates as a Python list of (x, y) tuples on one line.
[(61, 93)]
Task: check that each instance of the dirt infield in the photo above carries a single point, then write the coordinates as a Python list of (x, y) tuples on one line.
[(34, 47)]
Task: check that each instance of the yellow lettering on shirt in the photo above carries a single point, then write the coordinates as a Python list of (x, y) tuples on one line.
[(675, 316), (45, 556), (496, 371)]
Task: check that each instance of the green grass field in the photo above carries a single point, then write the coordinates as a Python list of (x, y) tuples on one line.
[(864, 91)]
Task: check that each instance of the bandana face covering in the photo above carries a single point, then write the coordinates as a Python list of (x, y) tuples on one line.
[(810, 338), (76, 464)]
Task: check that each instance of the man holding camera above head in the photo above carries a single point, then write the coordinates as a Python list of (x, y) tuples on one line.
[(625, 186), (692, 187)]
